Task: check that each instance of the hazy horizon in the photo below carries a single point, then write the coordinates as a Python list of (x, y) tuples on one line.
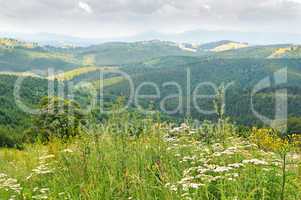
[(119, 19)]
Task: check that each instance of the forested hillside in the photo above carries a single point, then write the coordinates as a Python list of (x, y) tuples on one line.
[(157, 62), (244, 74)]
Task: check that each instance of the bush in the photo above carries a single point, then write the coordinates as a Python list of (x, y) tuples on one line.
[(10, 137), (59, 117)]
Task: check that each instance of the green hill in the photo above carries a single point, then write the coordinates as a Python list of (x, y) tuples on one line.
[(124, 53), (18, 56), (244, 73), (159, 62), (31, 91)]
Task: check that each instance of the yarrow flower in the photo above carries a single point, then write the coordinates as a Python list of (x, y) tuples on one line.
[(46, 157), (43, 168), (68, 151), (9, 184), (222, 169), (255, 162)]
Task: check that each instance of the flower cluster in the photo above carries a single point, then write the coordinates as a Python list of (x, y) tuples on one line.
[(207, 164), (43, 168), (40, 193), (9, 184)]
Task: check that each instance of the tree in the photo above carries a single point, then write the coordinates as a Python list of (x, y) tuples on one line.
[(58, 118), (294, 125)]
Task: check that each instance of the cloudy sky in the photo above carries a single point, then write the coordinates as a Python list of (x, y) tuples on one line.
[(115, 18)]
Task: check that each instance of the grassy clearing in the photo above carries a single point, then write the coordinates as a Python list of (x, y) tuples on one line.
[(79, 71), (52, 55), (108, 82), (115, 162)]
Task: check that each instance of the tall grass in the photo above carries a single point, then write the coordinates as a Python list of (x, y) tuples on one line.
[(132, 158)]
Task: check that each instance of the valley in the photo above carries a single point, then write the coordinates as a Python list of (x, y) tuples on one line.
[(149, 119)]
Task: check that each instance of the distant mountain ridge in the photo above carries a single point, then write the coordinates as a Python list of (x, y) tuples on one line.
[(159, 61), (20, 56), (11, 43), (193, 36)]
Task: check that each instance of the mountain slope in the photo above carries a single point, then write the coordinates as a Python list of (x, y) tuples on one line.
[(21, 56), (124, 53), (223, 45), (244, 74)]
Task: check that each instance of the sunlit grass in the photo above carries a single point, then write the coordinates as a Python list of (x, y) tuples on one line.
[(78, 71), (159, 163)]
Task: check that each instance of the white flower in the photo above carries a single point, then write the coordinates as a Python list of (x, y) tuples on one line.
[(194, 185), (7, 183), (236, 165), (68, 151), (222, 169), (255, 162), (46, 157), (202, 170)]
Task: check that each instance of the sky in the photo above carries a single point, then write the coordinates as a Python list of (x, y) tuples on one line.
[(120, 18)]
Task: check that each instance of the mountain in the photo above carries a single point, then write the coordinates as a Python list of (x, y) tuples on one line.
[(163, 61), (192, 36), (205, 36), (243, 73), (31, 91), (52, 39), (223, 45), (116, 53), (266, 52), (20, 56)]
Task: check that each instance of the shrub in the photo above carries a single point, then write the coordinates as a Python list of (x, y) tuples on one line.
[(58, 118), (10, 137)]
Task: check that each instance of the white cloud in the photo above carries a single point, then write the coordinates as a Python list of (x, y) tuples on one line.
[(296, 1), (97, 18), (85, 7)]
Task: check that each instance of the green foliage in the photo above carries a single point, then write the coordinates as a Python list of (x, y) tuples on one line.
[(243, 73), (10, 138), (58, 118), (118, 53), (294, 125), (22, 59), (32, 89), (108, 163)]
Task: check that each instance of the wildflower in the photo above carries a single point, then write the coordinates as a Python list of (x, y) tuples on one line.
[(42, 169), (61, 193), (255, 162), (13, 197), (210, 166), (184, 126), (217, 146), (35, 189), (194, 185), (236, 165), (40, 196), (217, 154), (173, 188), (185, 195), (186, 179), (7, 183), (44, 190), (68, 151), (202, 170), (222, 169), (46, 157)]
